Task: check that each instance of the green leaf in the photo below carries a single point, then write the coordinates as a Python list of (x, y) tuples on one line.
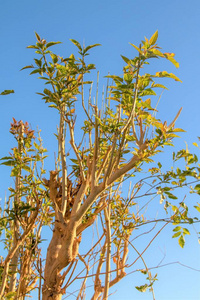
[(74, 160), (128, 77), (171, 196), (26, 168), (138, 49), (37, 36), (157, 52), (38, 62), (154, 38), (197, 207), (35, 71), (54, 58), (32, 47), (142, 288), (166, 189), (176, 234), (177, 228), (47, 92), (40, 93), (38, 52), (143, 271), (53, 106), (159, 86), (147, 92), (186, 231), (6, 157), (166, 74), (90, 47), (174, 208), (7, 92), (9, 163), (175, 63), (190, 220), (77, 44), (127, 60), (195, 144), (178, 130), (27, 67), (181, 241), (52, 44)]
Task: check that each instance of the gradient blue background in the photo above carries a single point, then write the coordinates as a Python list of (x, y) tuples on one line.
[(113, 24)]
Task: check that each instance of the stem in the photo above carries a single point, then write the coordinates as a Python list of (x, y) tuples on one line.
[(17, 198), (61, 141), (96, 148), (72, 142), (85, 279), (147, 270), (108, 238)]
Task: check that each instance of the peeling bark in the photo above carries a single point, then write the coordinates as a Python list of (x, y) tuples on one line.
[(62, 250)]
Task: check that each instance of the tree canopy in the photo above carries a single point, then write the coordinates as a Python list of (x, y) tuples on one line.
[(107, 184)]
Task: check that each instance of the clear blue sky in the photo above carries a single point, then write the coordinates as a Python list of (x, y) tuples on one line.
[(112, 23)]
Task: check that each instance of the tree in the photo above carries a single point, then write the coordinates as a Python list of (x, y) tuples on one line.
[(119, 139)]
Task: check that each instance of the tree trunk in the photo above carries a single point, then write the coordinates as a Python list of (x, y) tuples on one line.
[(62, 250)]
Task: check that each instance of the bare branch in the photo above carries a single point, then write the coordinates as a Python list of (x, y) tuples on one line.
[(72, 142), (171, 125), (96, 145), (108, 257), (61, 141)]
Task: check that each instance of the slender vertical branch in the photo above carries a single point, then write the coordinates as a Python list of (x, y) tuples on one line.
[(108, 256), (111, 161), (72, 142), (96, 144), (85, 279), (89, 104), (40, 279), (98, 289), (147, 270), (83, 102), (97, 91), (61, 141), (17, 198)]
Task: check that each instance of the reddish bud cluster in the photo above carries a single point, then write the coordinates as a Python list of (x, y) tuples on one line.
[(20, 129)]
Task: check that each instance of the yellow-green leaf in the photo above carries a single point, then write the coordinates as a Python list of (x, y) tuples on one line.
[(154, 38), (52, 44), (181, 241), (171, 75), (142, 288), (138, 49), (166, 74), (157, 52), (159, 86), (76, 43), (177, 228), (195, 144), (7, 92), (37, 37), (178, 130), (170, 58), (176, 234), (197, 207), (186, 231)]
